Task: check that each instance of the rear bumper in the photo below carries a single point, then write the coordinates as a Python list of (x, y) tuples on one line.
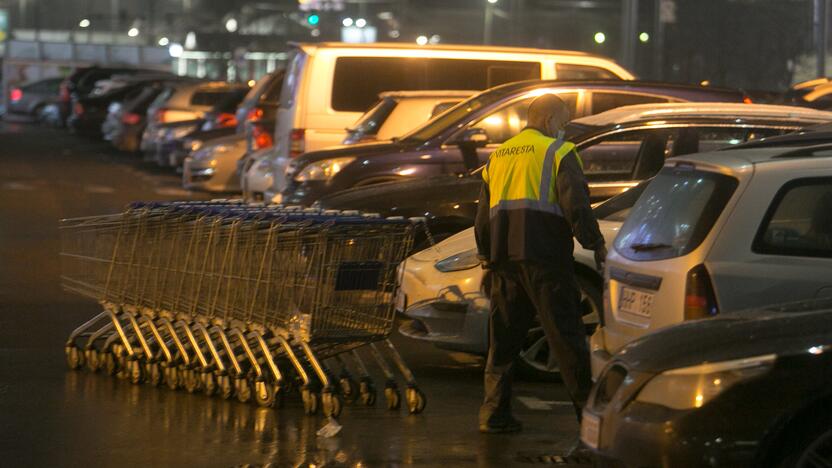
[(598, 353)]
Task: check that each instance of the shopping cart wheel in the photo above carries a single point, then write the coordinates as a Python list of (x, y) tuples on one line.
[(74, 357), (265, 394), (367, 391), (153, 372), (348, 387), (242, 388), (416, 400), (108, 362), (135, 371), (226, 389), (209, 383), (331, 403), (190, 379), (392, 395), (171, 376), (91, 360), (310, 401)]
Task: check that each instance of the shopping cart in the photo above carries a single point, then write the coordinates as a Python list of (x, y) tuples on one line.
[(240, 300)]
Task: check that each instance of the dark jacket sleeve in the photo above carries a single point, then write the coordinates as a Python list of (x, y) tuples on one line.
[(482, 224), (573, 197)]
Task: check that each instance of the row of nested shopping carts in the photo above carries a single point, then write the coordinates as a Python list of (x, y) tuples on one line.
[(244, 301)]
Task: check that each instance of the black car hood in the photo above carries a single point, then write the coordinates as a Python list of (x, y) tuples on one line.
[(737, 335), (410, 197), (360, 150)]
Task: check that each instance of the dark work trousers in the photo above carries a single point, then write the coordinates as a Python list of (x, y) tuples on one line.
[(519, 290)]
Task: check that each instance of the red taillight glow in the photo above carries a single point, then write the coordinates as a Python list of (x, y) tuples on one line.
[(226, 119), (78, 109), (747, 100), (700, 300), (262, 138), (297, 142), (160, 116), (16, 94), (131, 118), (254, 114)]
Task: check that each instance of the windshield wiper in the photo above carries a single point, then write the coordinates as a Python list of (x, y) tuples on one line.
[(642, 247)]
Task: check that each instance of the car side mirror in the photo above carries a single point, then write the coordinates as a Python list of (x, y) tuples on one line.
[(472, 137)]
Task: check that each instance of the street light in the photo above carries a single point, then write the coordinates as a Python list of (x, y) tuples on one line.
[(361, 22), (163, 41), (493, 1), (644, 37), (600, 38), (84, 23), (175, 50), (231, 25), (422, 40), (133, 32), (347, 22)]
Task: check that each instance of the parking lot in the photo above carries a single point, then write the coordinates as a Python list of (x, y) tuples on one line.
[(55, 417)]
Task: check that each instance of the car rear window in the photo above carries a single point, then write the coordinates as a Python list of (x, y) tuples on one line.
[(209, 98), (674, 214), (358, 80), (799, 222)]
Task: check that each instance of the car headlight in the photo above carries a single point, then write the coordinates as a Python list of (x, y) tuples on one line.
[(323, 170), (458, 262), (695, 386)]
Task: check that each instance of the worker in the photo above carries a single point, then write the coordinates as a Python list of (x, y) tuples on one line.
[(534, 200)]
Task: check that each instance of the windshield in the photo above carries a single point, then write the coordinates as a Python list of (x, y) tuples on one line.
[(437, 125), (674, 214), (369, 123)]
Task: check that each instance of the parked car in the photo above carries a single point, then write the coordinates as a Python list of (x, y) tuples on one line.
[(256, 176), (678, 257), (329, 85), (750, 389), (82, 80), (393, 115), (130, 120), (462, 138), (32, 98), (261, 101), (619, 148), (213, 167), (183, 105)]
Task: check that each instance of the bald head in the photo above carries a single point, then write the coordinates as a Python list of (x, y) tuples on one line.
[(549, 114)]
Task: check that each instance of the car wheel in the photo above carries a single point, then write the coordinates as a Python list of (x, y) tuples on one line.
[(534, 357), (809, 445), (817, 453)]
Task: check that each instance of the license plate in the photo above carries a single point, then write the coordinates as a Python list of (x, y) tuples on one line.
[(590, 430), (635, 302)]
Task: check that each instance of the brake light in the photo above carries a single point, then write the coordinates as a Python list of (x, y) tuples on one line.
[(297, 142), (700, 300), (747, 100), (160, 116), (78, 109), (262, 138), (16, 94), (131, 118), (226, 119), (63, 91), (254, 114)]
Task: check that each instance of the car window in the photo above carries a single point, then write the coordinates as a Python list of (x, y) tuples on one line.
[(209, 98), (566, 71), (602, 102), (442, 107), (510, 120), (618, 207), (674, 214), (357, 81), (272, 93), (701, 139), (291, 80), (799, 222), (635, 155)]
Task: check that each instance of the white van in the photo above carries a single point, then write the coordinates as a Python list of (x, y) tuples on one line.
[(329, 85)]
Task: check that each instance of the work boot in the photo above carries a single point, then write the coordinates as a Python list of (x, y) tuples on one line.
[(512, 425)]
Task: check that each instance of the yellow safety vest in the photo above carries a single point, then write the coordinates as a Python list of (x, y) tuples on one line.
[(522, 173)]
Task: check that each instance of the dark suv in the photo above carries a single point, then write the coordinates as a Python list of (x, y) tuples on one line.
[(462, 138)]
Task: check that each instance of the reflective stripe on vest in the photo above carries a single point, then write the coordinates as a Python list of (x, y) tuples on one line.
[(518, 164)]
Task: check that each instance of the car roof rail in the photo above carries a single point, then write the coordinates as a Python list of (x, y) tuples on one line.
[(805, 151)]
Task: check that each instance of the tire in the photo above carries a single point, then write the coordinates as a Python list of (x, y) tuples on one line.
[(531, 364), (809, 443)]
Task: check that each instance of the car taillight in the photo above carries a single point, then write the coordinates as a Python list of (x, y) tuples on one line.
[(262, 138), (160, 116), (63, 92), (131, 118), (226, 120), (297, 142), (747, 100), (700, 300), (16, 94), (254, 114), (78, 109)]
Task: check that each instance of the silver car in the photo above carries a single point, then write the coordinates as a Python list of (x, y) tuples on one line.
[(715, 233), (213, 167)]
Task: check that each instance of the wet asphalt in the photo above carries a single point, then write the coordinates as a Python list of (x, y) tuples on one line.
[(51, 416)]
